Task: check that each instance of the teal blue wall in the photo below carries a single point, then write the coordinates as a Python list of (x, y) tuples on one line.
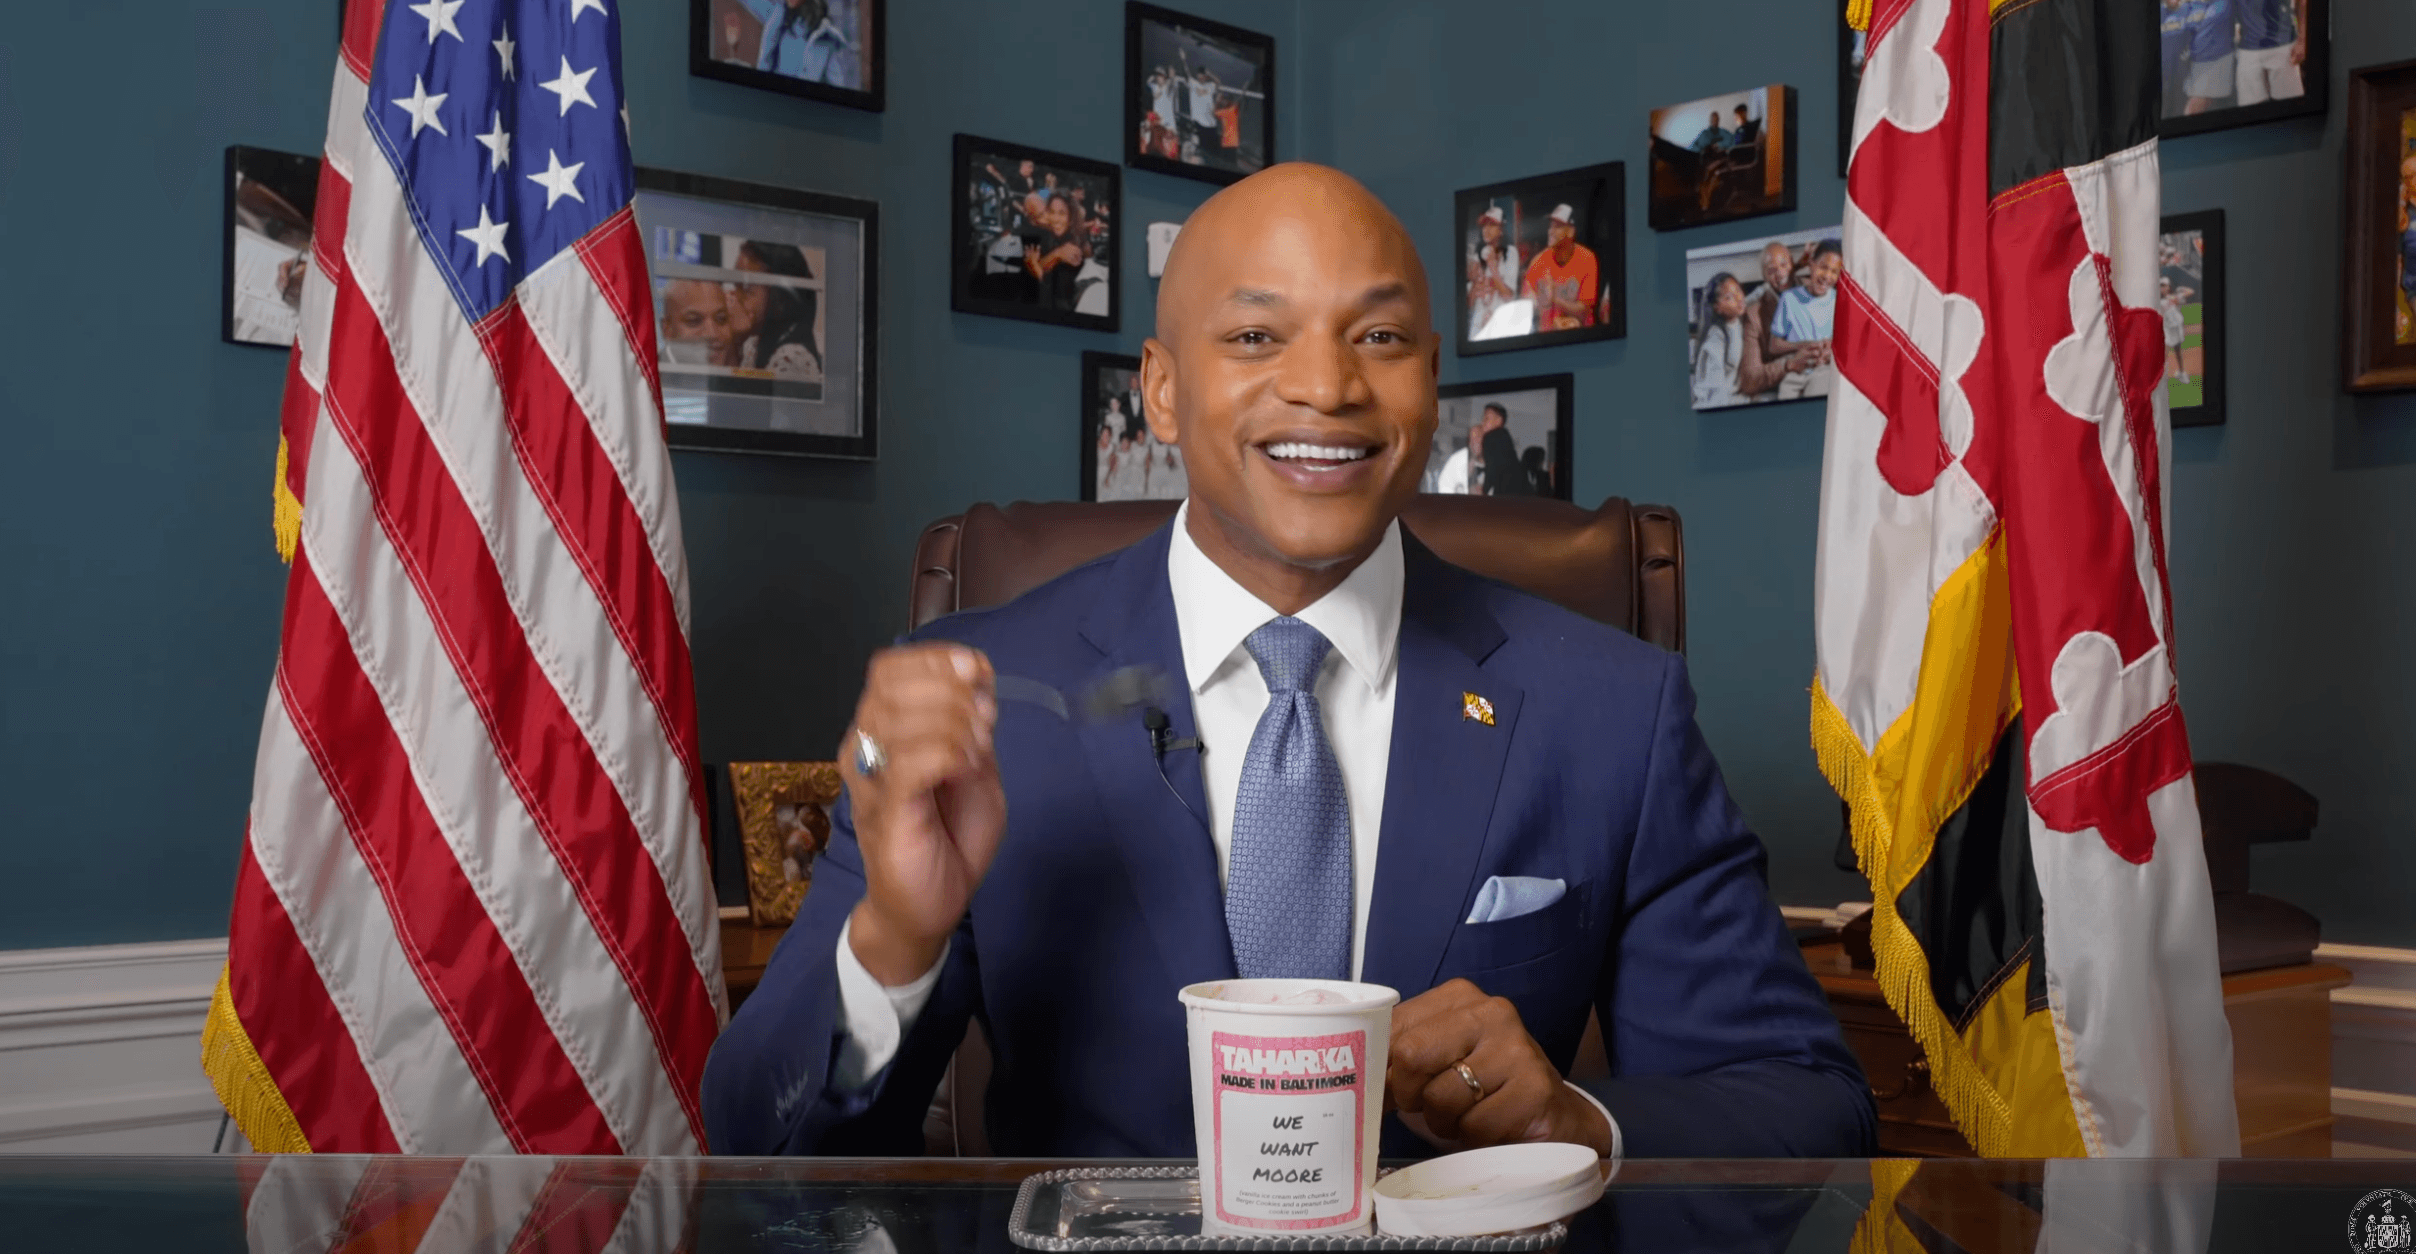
[(138, 623)]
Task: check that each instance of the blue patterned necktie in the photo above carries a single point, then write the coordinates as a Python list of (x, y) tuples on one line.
[(1288, 886)]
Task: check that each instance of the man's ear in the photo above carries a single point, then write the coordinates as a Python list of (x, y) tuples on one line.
[(1157, 391)]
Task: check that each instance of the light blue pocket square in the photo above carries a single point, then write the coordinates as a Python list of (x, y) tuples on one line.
[(1509, 896)]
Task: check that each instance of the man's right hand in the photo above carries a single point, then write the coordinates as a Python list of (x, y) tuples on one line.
[(930, 820)]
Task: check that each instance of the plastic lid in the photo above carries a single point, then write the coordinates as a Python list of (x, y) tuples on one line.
[(1480, 1192), (1288, 997)]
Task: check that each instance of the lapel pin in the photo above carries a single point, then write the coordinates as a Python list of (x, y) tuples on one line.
[(1475, 708)]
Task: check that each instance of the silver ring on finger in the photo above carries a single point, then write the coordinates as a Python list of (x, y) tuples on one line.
[(869, 758), (1468, 1078)]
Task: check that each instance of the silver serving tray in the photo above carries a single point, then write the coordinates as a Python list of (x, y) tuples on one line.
[(1158, 1208)]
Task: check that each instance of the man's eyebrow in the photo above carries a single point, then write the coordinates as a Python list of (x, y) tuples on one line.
[(1264, 298)]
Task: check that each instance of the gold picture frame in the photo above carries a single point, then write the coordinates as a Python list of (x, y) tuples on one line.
[(784, 822)]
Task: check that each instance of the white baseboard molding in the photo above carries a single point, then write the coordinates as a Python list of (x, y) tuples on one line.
[(2369, 1124), (100, 1048), (2374, 1034)]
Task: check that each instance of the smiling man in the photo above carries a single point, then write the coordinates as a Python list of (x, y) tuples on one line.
[(1406, 774)]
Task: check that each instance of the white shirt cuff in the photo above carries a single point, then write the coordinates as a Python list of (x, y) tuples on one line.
[(875, 1017), (1618, 1145)]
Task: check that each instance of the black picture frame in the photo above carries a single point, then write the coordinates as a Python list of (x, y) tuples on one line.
[(2376, 356), (264, 245), (733, 402), (1685, 188), (1163, 478), (1136, 143), (2315, 76), (1598, 195), (2213, 301), (1562, 466), (978, 231), (710, 26)]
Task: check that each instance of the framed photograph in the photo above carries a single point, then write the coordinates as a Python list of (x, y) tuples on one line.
[(1199, 96), (1503, 437), (1722, 158), (2379, 323), (270, 198), (1543, 260), (784, 821), (1759, 314), (2238, 62), (1034, 235), (1853, 48), (820, 49), (1121, 460), (2189, 295), (764, 314)]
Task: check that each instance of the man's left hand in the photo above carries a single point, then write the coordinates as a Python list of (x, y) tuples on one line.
[(1518, 1095)]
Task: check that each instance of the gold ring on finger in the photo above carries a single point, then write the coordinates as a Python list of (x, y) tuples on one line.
[(1468, 1078)]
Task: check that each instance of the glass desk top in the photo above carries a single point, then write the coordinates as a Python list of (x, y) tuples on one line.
[(302, 1203)]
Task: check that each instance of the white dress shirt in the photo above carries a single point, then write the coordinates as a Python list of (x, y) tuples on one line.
[(1214, 616)]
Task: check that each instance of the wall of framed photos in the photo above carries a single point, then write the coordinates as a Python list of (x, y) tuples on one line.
[(144, 594)]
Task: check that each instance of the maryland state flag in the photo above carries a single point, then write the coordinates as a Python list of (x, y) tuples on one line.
[(1996, 698)]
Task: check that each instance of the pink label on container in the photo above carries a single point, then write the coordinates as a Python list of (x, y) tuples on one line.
[(1289, 1114)]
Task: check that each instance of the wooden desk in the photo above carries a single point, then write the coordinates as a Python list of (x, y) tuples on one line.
[(2281, 1040)]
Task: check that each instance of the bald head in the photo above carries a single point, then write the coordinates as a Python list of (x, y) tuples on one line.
[(1281, 209), (1294, 364)]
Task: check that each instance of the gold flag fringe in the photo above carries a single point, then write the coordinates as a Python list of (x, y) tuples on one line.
[(1980, 1113), (236, 1073), (285, 516), (1858, 14), (1879, 1231)]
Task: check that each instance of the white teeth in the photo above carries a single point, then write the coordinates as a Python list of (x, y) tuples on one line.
[(1315, 452)]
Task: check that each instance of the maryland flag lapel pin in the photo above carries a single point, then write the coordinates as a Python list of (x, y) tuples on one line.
[(1476, 708)]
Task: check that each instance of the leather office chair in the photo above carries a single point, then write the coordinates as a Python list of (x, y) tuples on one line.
[(1618, 563)]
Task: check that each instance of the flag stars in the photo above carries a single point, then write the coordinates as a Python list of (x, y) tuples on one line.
[(503, 49), (440, 18), (487, 235), (558, 179), (499, 143), (570, 85), (578, 7), (422, 107)]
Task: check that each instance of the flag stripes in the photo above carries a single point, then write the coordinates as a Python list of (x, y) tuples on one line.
[(474, 914), (302, 839), (577, 316), (443, 922), (327, 1095), (493, 732)]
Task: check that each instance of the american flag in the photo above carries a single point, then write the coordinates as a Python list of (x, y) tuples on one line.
[(473, 913)]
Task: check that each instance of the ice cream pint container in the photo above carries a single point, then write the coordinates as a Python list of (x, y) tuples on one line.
[(1287, 1090)]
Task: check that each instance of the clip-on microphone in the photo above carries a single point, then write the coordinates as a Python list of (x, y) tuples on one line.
[(1160, 730), (1161, 741)]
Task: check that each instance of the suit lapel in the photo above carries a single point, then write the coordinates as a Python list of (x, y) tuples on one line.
[(1445, 769), (1165, 847)]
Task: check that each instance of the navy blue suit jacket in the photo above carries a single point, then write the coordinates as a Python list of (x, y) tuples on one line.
[(1103, 899)]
